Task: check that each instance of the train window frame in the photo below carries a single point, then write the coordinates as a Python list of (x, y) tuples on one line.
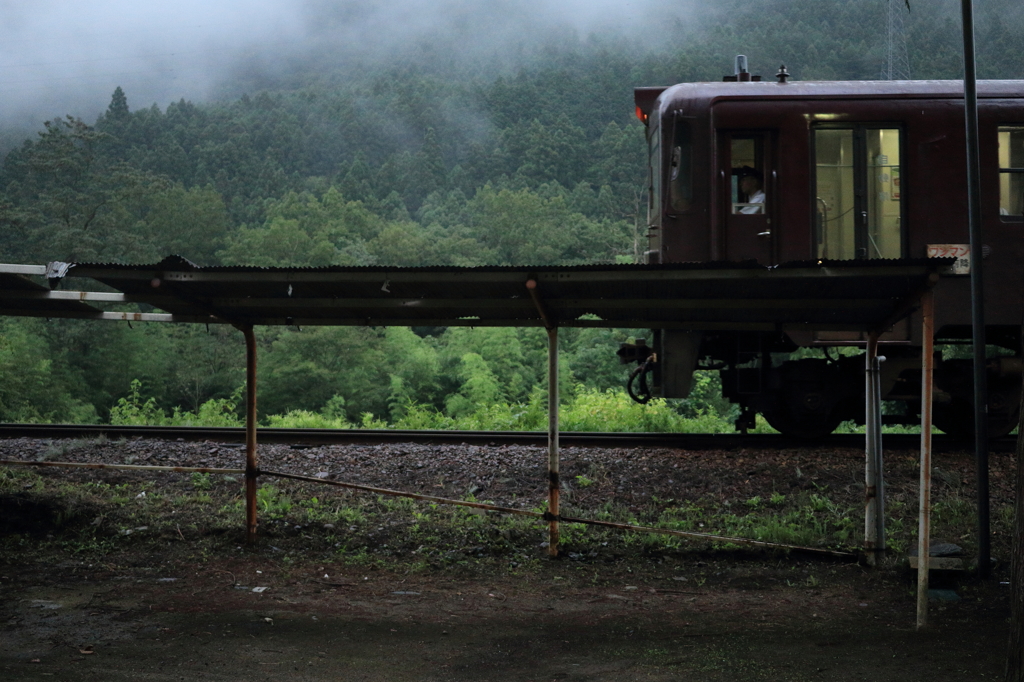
[(679, 171), (861, 169), (1008, 173), (654, 167)]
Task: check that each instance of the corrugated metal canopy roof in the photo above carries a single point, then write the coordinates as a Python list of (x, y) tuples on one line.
[(840, 295)]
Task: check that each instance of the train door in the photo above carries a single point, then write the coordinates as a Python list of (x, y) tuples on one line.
[(858, 203), (748, 182), (858, 211)]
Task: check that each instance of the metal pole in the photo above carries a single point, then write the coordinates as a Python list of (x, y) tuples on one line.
[(879, 462), (977, 289), (874, 476), (871, 538), (251, 471), (553, 482), (925, 497)]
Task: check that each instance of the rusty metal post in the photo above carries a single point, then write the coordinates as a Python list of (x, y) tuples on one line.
[(924, 509), (553, 482), (874, 486), (251, 471)]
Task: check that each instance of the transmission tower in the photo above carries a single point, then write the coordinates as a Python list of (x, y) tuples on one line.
[(897, 67)]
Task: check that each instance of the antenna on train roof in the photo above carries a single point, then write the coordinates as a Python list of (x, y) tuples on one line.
[(740, 73)]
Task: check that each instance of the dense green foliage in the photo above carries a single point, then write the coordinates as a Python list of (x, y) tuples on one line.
[(422, 160)]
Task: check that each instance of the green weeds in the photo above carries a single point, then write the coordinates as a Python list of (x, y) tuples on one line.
[(133, 410), (583, 409), (272, 502)]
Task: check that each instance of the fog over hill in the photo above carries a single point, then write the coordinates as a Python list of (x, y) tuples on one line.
[(61, 58)]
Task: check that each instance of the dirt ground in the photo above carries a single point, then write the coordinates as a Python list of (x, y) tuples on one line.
[(179, 624), (176, 605)]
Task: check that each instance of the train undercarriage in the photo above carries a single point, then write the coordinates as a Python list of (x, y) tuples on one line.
[(808, 392)]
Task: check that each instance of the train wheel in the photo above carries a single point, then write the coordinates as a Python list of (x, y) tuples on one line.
[(956, 417), (810, 396), (807, 426), (1004, 409)]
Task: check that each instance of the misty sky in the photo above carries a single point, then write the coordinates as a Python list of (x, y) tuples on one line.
[(62, 57)]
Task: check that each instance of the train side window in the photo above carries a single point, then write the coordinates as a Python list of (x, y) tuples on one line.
[(680, 176), (834, 194), (858, 193), (1011, 173), (884, 193)]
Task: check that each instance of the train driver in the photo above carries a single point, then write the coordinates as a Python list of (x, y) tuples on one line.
[(750, 186)]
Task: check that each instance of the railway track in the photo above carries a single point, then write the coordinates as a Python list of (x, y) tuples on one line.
[(313, 437)]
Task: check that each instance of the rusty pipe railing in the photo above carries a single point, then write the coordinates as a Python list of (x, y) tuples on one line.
[(127, 467), (549, 517)]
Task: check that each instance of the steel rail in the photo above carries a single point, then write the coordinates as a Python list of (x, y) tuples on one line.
[(313, 437)]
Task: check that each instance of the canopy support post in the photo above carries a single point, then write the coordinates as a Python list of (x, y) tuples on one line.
[(251, 469), (553, 453), (554, 486)]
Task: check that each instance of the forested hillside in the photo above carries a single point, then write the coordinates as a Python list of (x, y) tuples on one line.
[(428, 158)]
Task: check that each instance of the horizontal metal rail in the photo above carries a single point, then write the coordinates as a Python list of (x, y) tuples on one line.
[(399, 493), (117, 317), (18, 269), (128, 467), (714, 538)]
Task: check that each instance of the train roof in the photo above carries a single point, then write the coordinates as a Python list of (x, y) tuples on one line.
[(711, 92)]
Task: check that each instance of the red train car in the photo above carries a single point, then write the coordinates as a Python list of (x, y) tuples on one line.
[(781, 171)]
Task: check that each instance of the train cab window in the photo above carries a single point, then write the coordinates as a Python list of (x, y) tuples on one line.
[(680, 171), (747, 159), (857, 209), (654, 155), (1011, 174)]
